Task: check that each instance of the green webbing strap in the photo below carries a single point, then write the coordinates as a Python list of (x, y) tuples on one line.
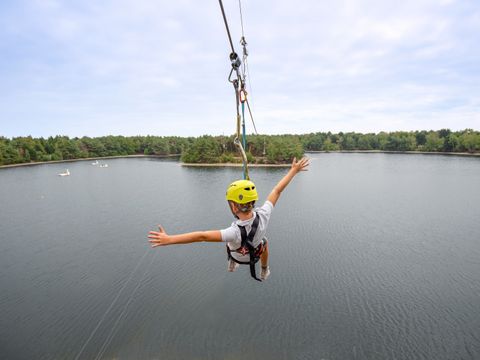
[(241, 149)]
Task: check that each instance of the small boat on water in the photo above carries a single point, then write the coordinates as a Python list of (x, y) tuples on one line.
[(95, 163), (104, 165), (66, 173)]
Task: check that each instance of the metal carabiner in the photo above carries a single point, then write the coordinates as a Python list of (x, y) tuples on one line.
[(243, 42)]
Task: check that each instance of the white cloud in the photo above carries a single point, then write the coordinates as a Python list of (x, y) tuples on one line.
[(361, 65)]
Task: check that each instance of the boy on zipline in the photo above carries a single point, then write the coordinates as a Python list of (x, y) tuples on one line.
[(245, 238)]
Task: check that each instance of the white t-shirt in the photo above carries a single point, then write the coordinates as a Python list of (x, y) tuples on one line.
[(233, 237)]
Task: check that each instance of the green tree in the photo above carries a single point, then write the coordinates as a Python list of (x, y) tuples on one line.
[(256, 144), (157, 146), (366, 142), (382, 140), (348, 141), (11, 154), (283, 149), (204, 149), (470, 141), (443, 133), (421, 137), (433, 142), (313, 142), (329, 145), (3, 149), (401, 141), (451, 142), (66, 148)]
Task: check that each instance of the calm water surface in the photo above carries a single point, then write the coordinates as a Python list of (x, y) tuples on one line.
[(373, 256)]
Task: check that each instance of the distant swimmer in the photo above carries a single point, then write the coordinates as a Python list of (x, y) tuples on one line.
[(245, 238)]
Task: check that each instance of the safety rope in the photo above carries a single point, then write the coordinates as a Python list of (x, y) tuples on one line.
[(245, 68), (241, 17)]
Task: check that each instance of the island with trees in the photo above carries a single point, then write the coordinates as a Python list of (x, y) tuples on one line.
[(260, 149)]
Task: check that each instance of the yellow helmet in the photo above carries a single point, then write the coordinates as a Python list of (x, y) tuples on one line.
[(242, 192)]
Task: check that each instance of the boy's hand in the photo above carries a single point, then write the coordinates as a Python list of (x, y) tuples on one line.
[(158, 238), (300, 165), (297, 166)]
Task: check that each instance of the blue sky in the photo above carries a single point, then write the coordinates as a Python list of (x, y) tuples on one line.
[(160, 67)]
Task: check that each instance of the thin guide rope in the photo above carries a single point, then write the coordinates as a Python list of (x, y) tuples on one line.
[(241, 16), (112, 332), (111, 306)]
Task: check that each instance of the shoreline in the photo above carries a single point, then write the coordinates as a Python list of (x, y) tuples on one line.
[(463, 154), (395, 152), (88, 159), (232, 165)]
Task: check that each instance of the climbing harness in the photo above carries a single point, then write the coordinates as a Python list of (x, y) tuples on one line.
[(237, 78), (247, 247)]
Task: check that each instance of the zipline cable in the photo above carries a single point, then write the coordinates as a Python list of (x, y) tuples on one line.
[(226, 26)]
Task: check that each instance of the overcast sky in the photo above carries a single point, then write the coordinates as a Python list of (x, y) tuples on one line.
[(158, 67)]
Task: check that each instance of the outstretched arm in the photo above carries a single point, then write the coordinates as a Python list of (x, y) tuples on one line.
[(161, 238), (297, 166)]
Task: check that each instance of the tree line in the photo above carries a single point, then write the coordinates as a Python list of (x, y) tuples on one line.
[(443, 140), (27, 149), (221, 149)]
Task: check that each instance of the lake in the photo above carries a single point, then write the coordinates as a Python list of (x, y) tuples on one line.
[(373, 256)]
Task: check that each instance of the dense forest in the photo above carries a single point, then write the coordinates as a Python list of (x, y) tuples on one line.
[(221, 149)]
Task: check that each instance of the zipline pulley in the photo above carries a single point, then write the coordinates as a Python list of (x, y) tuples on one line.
[(235, 60)]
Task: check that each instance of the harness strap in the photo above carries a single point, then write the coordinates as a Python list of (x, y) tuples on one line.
[(247, 241), (258, 252)]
